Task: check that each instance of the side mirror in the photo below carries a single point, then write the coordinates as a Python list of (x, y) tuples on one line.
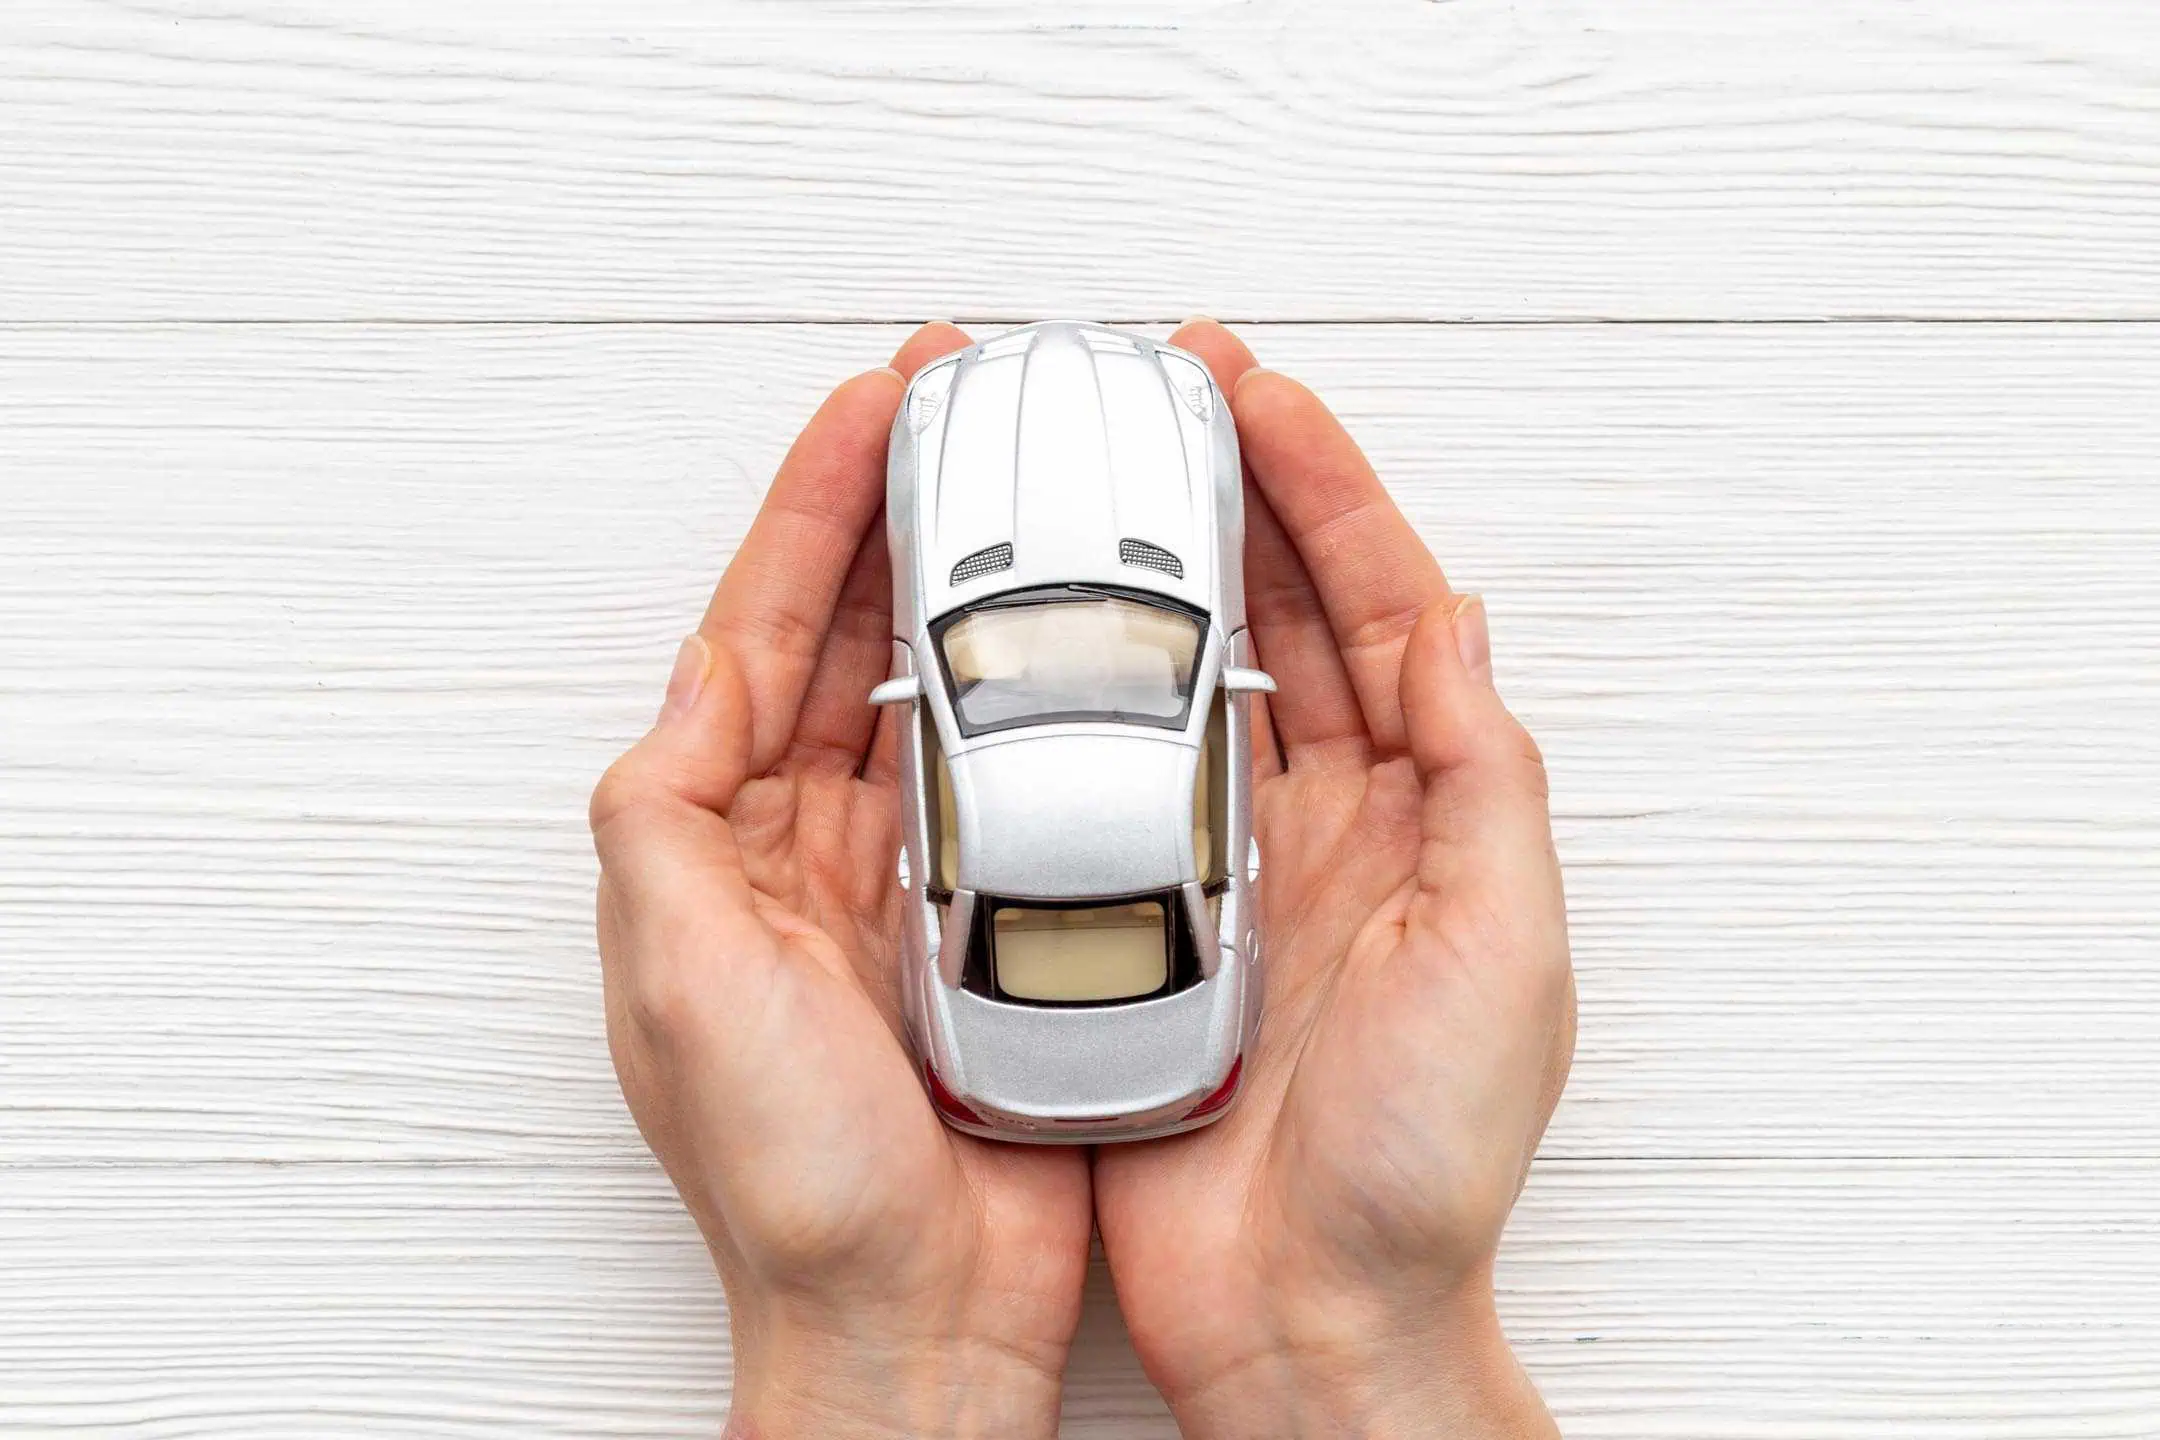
[(904, 687), (1238, 680)]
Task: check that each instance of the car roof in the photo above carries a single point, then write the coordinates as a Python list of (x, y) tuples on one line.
[(1061, 453)]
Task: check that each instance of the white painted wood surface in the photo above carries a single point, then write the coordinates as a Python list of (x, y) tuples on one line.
[(1844, 641), (676, 159)]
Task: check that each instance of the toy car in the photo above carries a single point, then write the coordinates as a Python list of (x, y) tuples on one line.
[(1080, 954)]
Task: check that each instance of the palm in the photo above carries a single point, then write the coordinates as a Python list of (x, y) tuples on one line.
[(878, 1179), (1372, 1079)]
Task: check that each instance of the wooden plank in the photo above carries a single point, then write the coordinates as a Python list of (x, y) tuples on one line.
[(1946, 1301), (1524, 159), (1845, 647)]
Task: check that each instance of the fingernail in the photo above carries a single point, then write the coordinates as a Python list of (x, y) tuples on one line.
[(888, 370), (1473, 638), (1247, 378), (1196, 320), (693, 662)]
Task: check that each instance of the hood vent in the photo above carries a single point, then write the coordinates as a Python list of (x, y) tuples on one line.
[(985, 562), (1150, 557)]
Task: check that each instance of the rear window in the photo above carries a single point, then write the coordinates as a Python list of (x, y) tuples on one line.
[(1108, 952), (1058, 952)]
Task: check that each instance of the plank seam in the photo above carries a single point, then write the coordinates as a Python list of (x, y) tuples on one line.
[(848, 322)]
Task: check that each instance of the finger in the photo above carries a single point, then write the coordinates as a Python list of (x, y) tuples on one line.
[(835, 728), (775, 602), (697, 751), (1222, 352), (1485, 810), (927, 344), (677, 913), (1227, 358), (1372, 573), (1314, 709), (657, 810), (833, 731)]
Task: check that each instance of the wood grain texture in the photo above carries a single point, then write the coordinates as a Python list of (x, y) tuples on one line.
[(680, 159), (1940, 1301)]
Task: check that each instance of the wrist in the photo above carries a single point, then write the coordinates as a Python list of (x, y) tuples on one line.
[(796, 1383), (1446, 1371)]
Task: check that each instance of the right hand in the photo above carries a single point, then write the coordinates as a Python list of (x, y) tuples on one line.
[(1319, 1260)]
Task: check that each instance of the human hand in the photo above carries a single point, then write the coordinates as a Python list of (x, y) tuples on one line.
[(885, 1275), (1319, 1261)]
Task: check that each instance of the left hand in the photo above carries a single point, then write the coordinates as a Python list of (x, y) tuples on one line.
[(886, 1276)]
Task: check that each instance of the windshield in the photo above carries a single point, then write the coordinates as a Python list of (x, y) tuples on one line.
[(1070, 655)]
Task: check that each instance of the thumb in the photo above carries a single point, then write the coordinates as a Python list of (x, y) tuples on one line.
[(657, 811), (1484, 815), (1487, 872)]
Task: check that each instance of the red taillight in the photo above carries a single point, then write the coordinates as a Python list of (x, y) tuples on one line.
[(946, 1102), (1223, 1094)]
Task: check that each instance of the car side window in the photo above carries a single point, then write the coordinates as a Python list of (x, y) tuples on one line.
[(1211, 796), (941, 822)]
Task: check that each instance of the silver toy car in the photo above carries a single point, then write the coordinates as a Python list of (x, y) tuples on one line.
[(1080, 953)]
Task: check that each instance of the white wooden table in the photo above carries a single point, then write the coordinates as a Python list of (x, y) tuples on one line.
[(382, 385)]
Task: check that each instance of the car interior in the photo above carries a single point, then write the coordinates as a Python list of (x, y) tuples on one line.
[(1097, 954)]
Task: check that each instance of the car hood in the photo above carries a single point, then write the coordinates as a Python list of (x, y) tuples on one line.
[(1063, 453), (1075, 815)]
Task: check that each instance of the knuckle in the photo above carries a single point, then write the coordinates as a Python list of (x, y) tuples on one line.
[(1526, 760), (615, 793), (1532, 752), (1389, 629), (627, 788)]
